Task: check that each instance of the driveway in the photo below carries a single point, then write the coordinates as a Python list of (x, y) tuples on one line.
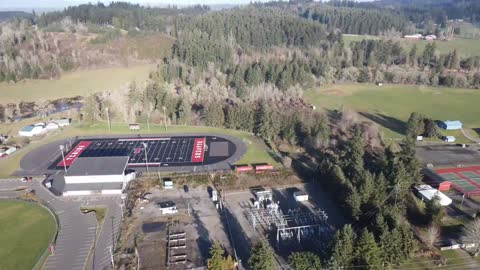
[(76, 237)]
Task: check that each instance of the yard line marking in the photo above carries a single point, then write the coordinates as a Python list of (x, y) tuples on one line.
[(176, 150), (154, 152)]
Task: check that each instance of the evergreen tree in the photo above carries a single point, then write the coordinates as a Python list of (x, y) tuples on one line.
[(263, 121), (217, 260), (213, 115), (304, 261), (367, 252), (353, 157), (434, 210), (415, 125), (261, 257), (184, 112), (343, 248)]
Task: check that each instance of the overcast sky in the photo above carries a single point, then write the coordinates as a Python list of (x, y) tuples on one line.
[(28, 5)]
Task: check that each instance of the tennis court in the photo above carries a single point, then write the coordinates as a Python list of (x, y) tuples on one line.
[(463, 179)]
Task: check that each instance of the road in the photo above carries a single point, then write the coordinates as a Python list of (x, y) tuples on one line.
[(76, 236)]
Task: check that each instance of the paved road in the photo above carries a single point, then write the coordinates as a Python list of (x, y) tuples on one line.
[(77, 230)]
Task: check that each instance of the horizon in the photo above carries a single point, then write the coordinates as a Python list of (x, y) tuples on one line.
[(51, 5)]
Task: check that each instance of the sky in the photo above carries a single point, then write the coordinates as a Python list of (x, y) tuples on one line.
[(28, 5)]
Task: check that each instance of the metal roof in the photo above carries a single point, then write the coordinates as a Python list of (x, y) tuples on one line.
[(85, 166), (27, 128), (93, 186)]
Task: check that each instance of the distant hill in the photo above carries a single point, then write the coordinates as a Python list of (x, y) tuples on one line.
[(6, 15)]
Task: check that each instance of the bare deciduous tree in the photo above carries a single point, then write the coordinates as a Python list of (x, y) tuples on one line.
[(431, 236), (471, 235)]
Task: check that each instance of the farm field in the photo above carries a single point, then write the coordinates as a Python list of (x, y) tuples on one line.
[(465, 46), (71, 84), (391, 105), (257, 150), (26, 229)]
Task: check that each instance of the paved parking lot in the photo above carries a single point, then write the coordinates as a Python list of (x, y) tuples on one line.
[(448, 155)]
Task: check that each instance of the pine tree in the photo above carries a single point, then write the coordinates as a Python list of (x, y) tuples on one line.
[(263, 121), (415, 125), (304, 261), (184, 112), (367, 252), (343, 248), (261, 257), (213, 115), (353, 152), (217, 260)]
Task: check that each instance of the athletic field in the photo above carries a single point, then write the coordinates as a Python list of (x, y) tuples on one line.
[(26, 230), (390, 105)]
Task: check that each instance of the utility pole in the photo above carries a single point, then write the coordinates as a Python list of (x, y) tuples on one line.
[(108, 119), (63, 157), (148, 122), (146, 158), (164, 117)]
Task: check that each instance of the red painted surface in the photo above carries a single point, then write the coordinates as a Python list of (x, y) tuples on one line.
[(458, 170), (198, 152), (72, 156), (444, 186), (243, 168), (263, 167)]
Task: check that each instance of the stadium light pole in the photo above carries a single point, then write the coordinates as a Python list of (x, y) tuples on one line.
[(164, 117), (108, 118), (63, 157), (146, 158)]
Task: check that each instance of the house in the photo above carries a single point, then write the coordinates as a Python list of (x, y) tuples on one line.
[(32, 130), (427, 193), (450, 125), (64, 122), (449, 139)]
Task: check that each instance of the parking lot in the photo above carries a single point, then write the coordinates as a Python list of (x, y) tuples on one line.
[(197, 221), (448, 155)]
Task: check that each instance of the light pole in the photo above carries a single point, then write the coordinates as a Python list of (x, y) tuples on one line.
[(108, 118), (63, 157), (146, 158), (164, 117)]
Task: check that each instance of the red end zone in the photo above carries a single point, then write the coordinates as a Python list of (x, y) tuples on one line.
[(198, 152), (70, 158)]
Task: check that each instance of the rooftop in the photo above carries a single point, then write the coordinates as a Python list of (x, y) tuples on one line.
[(84, 166)]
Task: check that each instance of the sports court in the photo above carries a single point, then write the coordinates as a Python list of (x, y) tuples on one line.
[(463, 179), (169, 151)]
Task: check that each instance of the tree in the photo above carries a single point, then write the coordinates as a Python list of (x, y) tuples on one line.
[(263, 120), (261, 257), (184, 112), (367, 252), (471, 235), (415, 125), (213, 115), (353, 157), (342, 250), (434, 210), (217, 260), (304, 261), (431, 236)]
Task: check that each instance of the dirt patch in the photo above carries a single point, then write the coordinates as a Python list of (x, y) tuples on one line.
[(335, 92)]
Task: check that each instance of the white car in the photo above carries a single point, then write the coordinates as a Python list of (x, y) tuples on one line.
[(24, 179)]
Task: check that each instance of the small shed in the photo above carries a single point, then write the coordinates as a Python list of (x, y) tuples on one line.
[(168, 184), (300, 196), (134, 127), (449, 138), (445, 186), (64, 122), (450, 125)]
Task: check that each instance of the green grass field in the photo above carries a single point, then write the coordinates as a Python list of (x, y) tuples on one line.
[(26, 230), (257, 150), (71, 84), (465, 47), (391, 105)]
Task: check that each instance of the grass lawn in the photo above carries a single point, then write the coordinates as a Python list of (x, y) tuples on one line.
[(257, 150), (26, 230), (391, 105), (455, 260), (71, 84), (465, 46)]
